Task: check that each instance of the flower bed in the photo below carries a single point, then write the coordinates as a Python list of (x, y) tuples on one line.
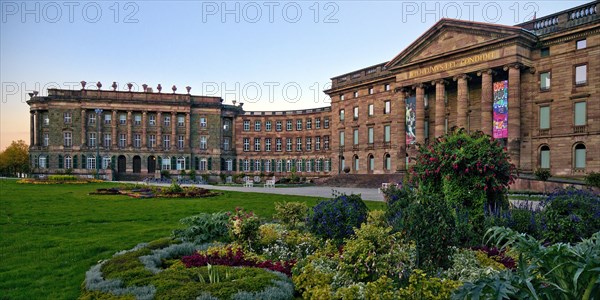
[(146, 191)]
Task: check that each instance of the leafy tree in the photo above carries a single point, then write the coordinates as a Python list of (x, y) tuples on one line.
[(15, 159)]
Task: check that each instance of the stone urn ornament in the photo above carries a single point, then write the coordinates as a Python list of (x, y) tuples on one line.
[(174, 88), (159, 88), (129, 86), (145, 87), (114, 86), (99, 85), (188, 88), (83, 83)]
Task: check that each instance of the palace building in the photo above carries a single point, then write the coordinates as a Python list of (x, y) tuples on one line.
[(534, 86)]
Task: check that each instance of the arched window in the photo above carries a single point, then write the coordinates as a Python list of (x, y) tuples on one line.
[(105, 162), (166, 163), (387, 162), (579, 156), (68, 162), (371, 163), (545, 157)]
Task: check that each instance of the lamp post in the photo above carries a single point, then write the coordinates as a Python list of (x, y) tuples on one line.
[(98, 160)]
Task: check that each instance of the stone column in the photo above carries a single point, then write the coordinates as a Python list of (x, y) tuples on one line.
[(401, 105), (114, 129), (486, 101), (83, 133), (144, 129), (440, 107), (129, 125), (514, 113), (187, 130), (462, 106), (420, 114), (31, 129), (159, 130), (173, 128)]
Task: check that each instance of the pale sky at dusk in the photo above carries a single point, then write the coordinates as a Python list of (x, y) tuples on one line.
[(270, 55)]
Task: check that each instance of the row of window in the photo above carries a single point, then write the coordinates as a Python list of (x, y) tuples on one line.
[(387, 109), (579, 157), (370, 91), (285, 165), (370, 135), (137, 119), (579, 45), (289, 125), (308, 144), (386, 163), (580, 77), (579, 115)]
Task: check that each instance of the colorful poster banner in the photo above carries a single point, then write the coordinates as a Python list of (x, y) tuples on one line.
[(500, 126), (411, 118)]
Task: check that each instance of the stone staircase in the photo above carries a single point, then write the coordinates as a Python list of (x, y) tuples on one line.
[(130, 177), (359, 180)]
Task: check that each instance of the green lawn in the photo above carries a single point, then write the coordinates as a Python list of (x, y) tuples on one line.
[(52, 234)]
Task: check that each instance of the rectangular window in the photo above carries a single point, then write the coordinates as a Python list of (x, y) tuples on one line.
[(355, 112), (371, 109), (317, 143), (299, 144), (105, 162), (137, 140), (166, 141), (180, 121), (43, 162), (92, 139), (545, 52), (308, 144), (152, 141), (298, 125), (137, 119), (246, 144), (387, 107), (326, 142), (581, 44), (356, 94), (226, 144), (166, 163), (278, 126), (318, 165), (544, 117), (268, 144), (46, 139), (288, 145), (257, 125), (203, 165), (342, 136), (246, 125), (318, 123), (268, 125), (580, 114), (386, 87), (107, 140), (257, 165), (355, 140), (371, 91), (67, 117), (122, 140), (278, 144), (580, 157), (67, 139), (545, 81), (371, 133), (203, 122), (91, 163), (268, 167), (257, 144), (92, 118), (326, 123), (122, 119), (580, 74), (288, 125), (386, 134), (152, 120), (341, 97), (229, 164), (545, 158), (180, 141), (426, 128), (204, 143), (107, 119), (308, 124), (167, 121), (342, 115)]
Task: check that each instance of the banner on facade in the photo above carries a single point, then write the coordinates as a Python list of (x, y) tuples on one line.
[(411, 117), (500, 126)]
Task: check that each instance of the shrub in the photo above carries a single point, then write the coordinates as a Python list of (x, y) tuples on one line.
[(523, 218), (570, 215), (62, 177), (542, 174), (165, 174), (430, 225), (204, 228), (243, 227), (421, 286), (593, 179), (336, 218), (377, 218), (290, 213), (381, 289), (397, 201), (466, 266), (314, 275), (374, 252)]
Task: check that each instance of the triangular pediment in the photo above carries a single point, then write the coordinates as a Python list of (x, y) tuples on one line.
[(451, 36)]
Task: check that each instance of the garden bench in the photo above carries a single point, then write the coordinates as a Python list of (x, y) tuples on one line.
[(270, 183), (248, 182)]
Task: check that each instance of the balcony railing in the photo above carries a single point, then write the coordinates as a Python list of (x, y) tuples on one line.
[(580, 129)]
